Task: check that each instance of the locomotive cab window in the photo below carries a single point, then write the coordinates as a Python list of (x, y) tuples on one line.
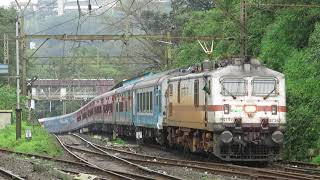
[(233, 87), (264, 87)]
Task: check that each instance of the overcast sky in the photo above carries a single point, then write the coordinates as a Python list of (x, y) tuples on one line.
[(5, 2)]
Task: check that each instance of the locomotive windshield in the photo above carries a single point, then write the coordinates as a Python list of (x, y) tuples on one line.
[(264, 87), (233, 87)]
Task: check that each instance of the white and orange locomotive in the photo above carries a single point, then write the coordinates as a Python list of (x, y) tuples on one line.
[(235, 111)]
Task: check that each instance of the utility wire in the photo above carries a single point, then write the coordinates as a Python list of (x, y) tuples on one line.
[(38, 48), (78, 24), (84, 57), (72, 19), (79, 10), (285, 5), (129, 14)]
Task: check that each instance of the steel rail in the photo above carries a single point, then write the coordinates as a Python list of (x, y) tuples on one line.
[(301, 164), (76, 172), (128, 162), (117, 174), (10, 174), (315, 172), (61, 161), (214, 170), (256, 171), (252, 173)]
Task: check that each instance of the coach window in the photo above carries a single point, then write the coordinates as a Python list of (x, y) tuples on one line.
[(151, 102), (117, 107), (144, 102), (264, 86), (120, 106), (233, 87), (147, 102), (138, 102), (141, 103), (196, 93)]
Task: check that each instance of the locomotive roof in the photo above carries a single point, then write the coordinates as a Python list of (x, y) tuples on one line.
[(232, 70)]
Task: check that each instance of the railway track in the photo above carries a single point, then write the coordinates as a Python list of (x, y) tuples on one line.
[(216, 168), (102, 174), (132, 170), (299, 164), (298, 167), (9, 174)]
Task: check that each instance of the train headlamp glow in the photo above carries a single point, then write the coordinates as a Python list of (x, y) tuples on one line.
[(226, 108), (274, 109), (250, 109)]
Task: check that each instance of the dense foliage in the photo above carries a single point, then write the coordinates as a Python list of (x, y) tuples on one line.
[(7, 26), (287, 40)]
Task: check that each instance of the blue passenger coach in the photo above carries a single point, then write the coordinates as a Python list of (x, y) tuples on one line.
[(137, 106), (148, 105)]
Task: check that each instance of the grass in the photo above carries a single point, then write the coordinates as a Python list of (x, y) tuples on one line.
[(41, 142), (316, 159), (118, 141)]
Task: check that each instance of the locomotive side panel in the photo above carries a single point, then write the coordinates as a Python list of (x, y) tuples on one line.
[(186, 103)]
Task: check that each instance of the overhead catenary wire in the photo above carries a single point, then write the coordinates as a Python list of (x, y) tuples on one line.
[(84, 57), (129, 14), (78, 24), (285, 5), (72, 19), (90, 17)]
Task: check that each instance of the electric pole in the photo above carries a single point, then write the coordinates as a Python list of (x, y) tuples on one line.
[(23, 59), (18, 109), (20, 49), (22, 46)]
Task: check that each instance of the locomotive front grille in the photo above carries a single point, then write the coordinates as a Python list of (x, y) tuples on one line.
[(249, 152)]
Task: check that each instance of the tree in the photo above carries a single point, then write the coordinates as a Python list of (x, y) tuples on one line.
[(7, 26), (287, 39)]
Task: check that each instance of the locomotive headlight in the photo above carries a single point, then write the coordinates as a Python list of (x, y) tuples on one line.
[(250, 109), (226, 137), (277, 137), (274, 109), (226, 108)]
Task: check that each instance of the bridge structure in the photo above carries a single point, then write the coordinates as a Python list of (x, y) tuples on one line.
[(62, 91)]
